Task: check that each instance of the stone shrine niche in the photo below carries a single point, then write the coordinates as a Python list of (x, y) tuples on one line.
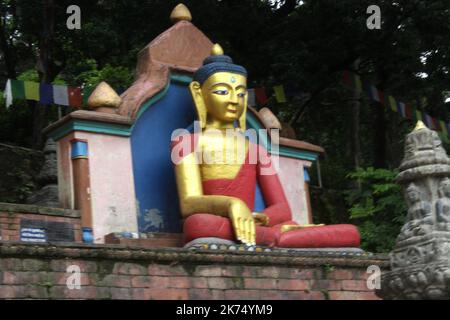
[(420, 260)]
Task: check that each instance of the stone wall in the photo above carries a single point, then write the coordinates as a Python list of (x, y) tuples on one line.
[(30, 271), (57, 224)]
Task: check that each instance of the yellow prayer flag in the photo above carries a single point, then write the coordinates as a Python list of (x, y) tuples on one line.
[(443, 126), (279, 93), (358, 83), (392, 103), (31, 90)]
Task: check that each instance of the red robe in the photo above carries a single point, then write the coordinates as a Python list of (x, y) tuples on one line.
[(243, 186)]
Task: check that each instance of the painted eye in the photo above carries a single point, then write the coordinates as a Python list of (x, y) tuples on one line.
[(241, 95), (221, 92)]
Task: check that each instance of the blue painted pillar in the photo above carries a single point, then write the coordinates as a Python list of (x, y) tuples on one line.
[(82, 187)]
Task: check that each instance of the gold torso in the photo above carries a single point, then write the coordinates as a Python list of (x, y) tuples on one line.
[(222, 155)]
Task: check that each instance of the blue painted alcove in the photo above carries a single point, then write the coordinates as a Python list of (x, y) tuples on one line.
[(154, 177)]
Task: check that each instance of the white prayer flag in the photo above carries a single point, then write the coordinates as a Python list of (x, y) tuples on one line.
[(402, 109), (375, 95), (8, 94), (60, 95)]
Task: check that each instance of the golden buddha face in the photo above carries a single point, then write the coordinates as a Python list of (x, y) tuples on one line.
[(223, 97)]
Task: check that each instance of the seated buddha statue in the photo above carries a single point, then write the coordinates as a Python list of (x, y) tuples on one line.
[(217, 169)]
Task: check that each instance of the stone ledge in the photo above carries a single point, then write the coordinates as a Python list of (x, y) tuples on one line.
[(171, 255), (33, 209)]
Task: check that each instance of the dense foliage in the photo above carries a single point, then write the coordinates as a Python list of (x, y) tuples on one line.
[(377, 207), (302, 44)]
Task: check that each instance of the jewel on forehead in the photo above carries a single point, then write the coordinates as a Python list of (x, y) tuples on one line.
[(233, 79)]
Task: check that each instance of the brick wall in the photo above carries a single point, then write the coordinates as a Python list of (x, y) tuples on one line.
[(13, 217), (117, 272)]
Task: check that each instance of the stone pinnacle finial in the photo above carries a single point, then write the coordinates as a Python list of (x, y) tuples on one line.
[(180, 13), (420, 125), (104, 97), (216, 50)]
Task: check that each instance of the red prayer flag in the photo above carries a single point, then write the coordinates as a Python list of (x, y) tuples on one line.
[(408, 111), (347, 79), (261, 96), (436, 124), (75, 98), (381, 96)]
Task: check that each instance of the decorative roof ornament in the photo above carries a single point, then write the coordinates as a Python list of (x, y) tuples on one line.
[(103, 98), (180, 13), (216, 50), (420, 125), (180, 49), (423, 147)]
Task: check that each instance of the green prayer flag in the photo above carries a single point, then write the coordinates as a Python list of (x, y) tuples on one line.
[(17, 89), (279, 93), (31, 90), (419, 115)]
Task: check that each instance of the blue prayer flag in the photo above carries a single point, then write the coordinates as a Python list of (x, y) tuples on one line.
[(46, 93)]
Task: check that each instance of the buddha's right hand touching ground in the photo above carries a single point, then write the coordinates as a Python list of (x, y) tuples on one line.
[(243, 223)]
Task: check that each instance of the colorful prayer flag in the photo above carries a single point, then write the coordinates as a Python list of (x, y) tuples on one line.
[(261, 96), (357, 81), (31, 90), (423, 102), (75, 99), (427, 120), (436, 124), (381, 97), (46, 93), (347, 78), (419, 115), (401, 109), (392, 103), (290, 91), (374, 93), (17, 89), (251, 98), (409, 111), (61, 95), (443, 125), (279, 94), (8, 94)]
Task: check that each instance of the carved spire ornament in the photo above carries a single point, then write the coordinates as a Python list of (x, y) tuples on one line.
[(180, 13), (420, 261)]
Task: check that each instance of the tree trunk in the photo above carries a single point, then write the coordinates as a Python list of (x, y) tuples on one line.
[(379, 138), (46, 68), (379, 125), (8, 52), (355, 105)]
